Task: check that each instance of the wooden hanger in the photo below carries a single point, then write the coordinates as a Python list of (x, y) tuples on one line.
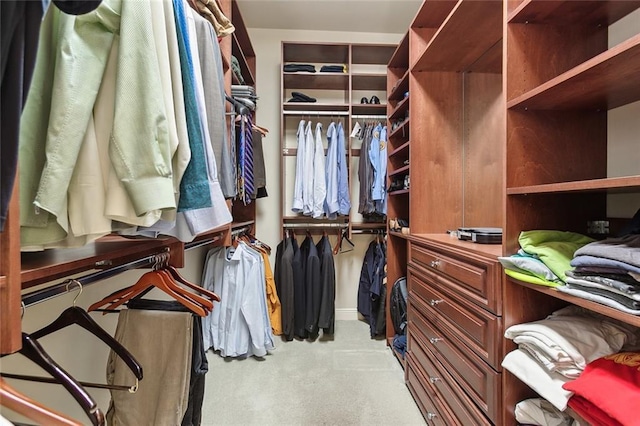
[(78, 316), (150, 279), (179, 278), (33, 410)]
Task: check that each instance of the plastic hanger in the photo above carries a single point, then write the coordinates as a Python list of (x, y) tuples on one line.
[(32, 350), (78, 316), (33, 410)]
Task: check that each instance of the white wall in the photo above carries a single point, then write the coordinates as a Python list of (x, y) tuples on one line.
[(623, 156)]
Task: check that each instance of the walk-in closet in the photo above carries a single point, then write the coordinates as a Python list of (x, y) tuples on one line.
[(266, 212)]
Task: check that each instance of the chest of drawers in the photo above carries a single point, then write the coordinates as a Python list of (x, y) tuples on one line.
[(455, 331)]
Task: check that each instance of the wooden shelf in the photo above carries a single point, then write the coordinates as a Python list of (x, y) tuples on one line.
[(49, 265), (399, 235), (368, 54), (593, 306), (400, 58), (399, 192), (401, 87), (399, 131), (606, 81), (369, 109), (463, 37), (323, 81), (402, 149), (368, 226), (369, 81), (401, 171), (400, 109), (629, 184), (591, 13), (245, 69), (433, 13), (334, 54), (296, 107)]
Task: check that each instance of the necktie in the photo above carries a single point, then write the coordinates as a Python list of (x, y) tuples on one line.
[(249, 180)]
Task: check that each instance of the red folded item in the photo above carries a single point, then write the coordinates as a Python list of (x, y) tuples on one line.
[(612, 384), (591, 413)]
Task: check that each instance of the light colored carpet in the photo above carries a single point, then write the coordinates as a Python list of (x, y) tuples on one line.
[(352, 380)]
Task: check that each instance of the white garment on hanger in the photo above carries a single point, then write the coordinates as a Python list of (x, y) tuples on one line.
[(319, 179), (298, 190)]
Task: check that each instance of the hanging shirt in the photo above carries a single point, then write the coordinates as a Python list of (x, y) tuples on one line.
[(378, 158), (343, 179), (319, 182), (298, 192), (307, 184), (331, 205), (238, 324)]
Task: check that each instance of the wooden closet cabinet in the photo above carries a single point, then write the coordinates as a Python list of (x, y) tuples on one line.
[(514, 123), (338, 96), (454, 141), (567, 70)]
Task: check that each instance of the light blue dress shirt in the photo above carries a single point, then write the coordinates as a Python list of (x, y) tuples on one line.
[(343, 179), (298, 201), (331, 204)]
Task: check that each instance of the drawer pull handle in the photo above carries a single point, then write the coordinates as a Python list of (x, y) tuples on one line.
[(434, 379), (435, 263), (434, 302), (435, 340), (431, 416)]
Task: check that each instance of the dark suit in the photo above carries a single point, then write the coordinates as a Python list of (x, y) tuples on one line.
[(370, 289), (285, 285), (299, 290), (326, 317), (313, 287)]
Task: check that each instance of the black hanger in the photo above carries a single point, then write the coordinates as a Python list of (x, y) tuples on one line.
[(32, 350), (78, 316), (239, 107)]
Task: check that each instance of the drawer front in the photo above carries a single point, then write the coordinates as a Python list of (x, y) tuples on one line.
[(477, 328), (445, 386), (482, 383), (424, 398), (476, 279)]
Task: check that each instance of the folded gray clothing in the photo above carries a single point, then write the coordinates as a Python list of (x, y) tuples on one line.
[(620, 282), (624, 249), (299, 67), (603, 296), (585, 260), (301, 97), (603, 290)]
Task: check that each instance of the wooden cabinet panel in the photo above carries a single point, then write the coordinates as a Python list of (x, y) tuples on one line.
[(481, 383), (423, 398), (445, 387), (477, 328), (473, 279)]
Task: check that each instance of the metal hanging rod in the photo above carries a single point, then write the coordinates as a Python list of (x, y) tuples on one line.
[(241, 230), (196, 244), (345, 113), (369, 231), (381, 116), (315, 225), (45, 294)]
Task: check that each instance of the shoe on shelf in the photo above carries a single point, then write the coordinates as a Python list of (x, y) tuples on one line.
[(375, 100), (364, 100)]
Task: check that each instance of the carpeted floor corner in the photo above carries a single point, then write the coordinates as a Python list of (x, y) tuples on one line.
[(350, 380)]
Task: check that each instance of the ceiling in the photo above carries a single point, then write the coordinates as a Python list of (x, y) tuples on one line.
[(372, 16)]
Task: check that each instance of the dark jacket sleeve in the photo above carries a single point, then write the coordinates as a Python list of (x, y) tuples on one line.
[(326, 318)]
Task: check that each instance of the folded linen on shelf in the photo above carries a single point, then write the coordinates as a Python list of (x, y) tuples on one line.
[(623, 249), (622, 283), (598, 299), (619, 375), (537, 411), (547, 384), (570, 338)]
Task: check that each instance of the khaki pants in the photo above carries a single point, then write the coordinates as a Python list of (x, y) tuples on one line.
[(162, 343)]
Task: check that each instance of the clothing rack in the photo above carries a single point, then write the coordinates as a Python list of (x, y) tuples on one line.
[(45, 294), (330, 113), (315, 225), (373, 117), (196, 244), (369, 231)]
